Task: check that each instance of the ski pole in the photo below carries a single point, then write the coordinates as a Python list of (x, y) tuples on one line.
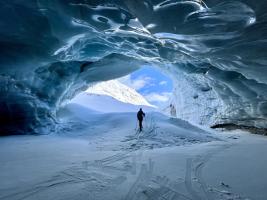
[(145, 122), (136, 125)]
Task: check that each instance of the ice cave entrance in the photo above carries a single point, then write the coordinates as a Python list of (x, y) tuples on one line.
[(148, 87)]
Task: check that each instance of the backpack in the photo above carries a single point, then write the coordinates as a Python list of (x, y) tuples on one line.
[(140, 115)]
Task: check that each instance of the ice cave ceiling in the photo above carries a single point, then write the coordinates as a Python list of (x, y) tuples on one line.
[(214, 50)]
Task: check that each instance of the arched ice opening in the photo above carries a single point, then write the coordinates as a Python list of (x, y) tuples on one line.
[(51, 50)]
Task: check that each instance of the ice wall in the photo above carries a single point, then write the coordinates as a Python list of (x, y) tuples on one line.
[(52, 49)]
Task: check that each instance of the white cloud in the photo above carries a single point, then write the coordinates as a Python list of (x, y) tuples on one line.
[(158, 97), (163, 83), (138, 83)]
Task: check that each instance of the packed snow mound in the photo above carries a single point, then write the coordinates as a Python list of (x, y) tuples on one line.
[(118, 91), (215, 51), (106, 104), (122, 131)]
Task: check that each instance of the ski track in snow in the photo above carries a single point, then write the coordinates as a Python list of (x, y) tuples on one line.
[(100, 178), (195, 182), (103, 174)]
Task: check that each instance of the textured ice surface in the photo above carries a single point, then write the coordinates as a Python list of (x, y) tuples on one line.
[(215, 51)]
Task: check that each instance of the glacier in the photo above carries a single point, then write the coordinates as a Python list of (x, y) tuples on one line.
[(118, 91), (214, 50)]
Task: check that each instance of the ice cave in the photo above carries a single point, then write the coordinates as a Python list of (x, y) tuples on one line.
[(53, 51)]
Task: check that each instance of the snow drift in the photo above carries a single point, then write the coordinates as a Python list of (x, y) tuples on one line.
[(214, 50)]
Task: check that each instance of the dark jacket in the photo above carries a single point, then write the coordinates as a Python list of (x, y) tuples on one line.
[(140, 115)]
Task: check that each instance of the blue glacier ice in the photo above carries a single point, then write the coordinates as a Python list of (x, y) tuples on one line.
[(214, 50)]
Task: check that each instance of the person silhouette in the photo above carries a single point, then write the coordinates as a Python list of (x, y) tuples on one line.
[(140, 116)]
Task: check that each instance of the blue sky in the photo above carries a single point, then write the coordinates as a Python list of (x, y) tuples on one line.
[(151, 83)]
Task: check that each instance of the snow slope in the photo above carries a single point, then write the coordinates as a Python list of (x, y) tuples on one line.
[(109, 160), (106, 104), (118, 91), (112, 96), (159, 130)]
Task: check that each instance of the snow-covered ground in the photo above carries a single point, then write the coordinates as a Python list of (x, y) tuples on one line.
[(121, 129), (102, 156)]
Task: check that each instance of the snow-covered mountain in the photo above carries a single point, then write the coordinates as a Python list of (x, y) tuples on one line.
[(118, 91), (112, 96), (106, 104)]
